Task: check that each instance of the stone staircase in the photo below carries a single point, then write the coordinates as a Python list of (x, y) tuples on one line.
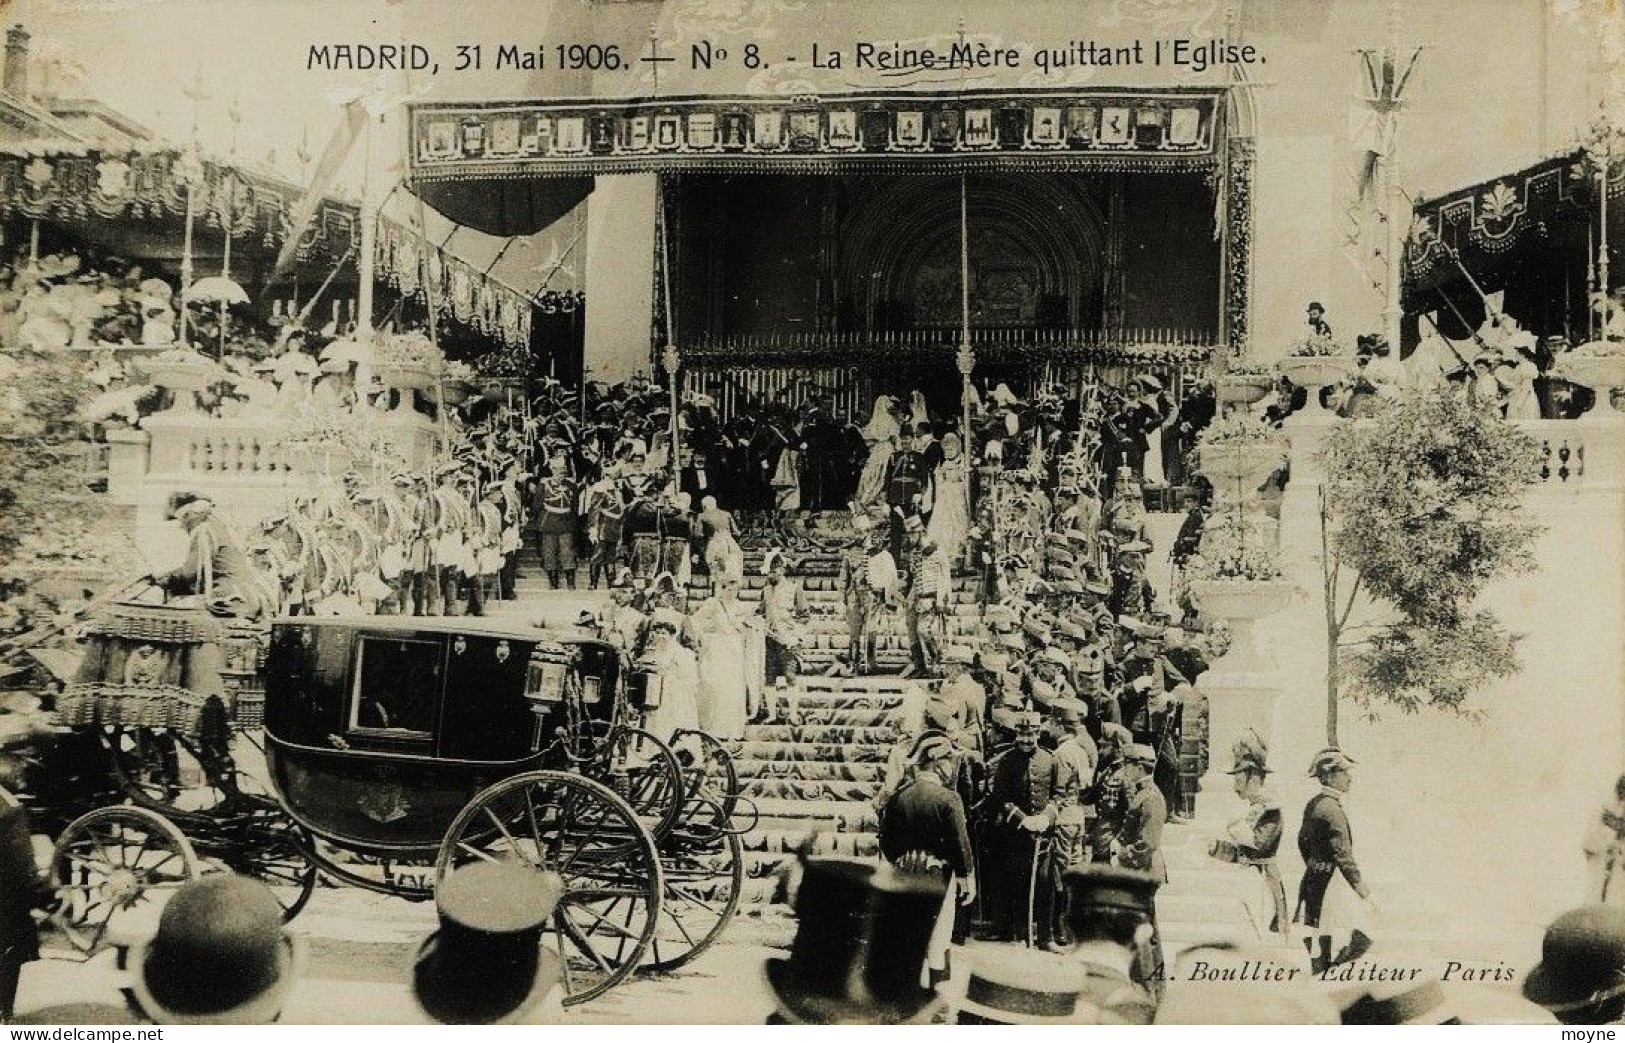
[(812, 784)]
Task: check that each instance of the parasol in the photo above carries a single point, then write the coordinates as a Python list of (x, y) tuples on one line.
[(349, 350), (292, 364), (156, 288), (216, 288)]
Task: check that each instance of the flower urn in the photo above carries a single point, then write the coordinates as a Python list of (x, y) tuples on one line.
[(1314, 372), (1603, 374), (1242, 389)]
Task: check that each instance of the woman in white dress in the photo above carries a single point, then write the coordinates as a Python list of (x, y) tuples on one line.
[(881, 436), (950, 516), (679, 708), (724, 638)]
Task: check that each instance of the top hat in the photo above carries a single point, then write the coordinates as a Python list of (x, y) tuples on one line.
[(1314, 306), (1111, 887), (220, 956), (486, 962), (861, 939), (1582, 962)]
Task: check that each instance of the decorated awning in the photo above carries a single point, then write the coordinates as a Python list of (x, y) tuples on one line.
[(1150, 129), (71, 184), (1501, 225)]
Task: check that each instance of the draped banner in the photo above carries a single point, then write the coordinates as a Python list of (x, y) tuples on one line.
[(1147, 129)]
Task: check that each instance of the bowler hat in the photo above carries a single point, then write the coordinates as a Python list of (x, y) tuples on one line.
[(1582, 962), (486, 961), (220, 956), (861, 938)]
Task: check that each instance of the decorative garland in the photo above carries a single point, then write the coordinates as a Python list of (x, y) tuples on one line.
[(79, 184)]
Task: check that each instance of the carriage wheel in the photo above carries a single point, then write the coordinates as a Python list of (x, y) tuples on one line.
[(276, 851), (704, 881), (653, 778), (709, 770), (110, 862), (581, 830)]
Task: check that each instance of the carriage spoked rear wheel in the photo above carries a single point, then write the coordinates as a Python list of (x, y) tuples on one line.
[(116, 866), (613, 878), (705, 876), (647, 773), (709, 774)]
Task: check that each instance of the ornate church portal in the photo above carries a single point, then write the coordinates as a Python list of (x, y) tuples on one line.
[(804, 269), (804, 243)]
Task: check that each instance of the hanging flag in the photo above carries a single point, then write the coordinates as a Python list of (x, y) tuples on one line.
[(352, 118)]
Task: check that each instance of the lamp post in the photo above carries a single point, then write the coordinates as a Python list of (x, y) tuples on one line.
[(965, 357)]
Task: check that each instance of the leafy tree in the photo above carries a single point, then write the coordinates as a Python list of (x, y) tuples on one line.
[(1421, 509), (45, 504)]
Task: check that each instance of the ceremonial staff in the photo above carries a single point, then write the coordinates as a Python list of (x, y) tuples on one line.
[(966, 356), (668, 355)]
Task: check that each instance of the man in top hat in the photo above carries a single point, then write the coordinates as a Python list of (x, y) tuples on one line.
[(1331, 877), (486, 964), (923, 830), (1022, 797), (220, 957), (1255, 837), (1112, 916), (862, 936), (1581, 975)]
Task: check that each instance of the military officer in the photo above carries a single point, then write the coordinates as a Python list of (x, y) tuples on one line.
[(556, 521), (906, 476), (1139, 843), (1025, 788), (605, 504), (1078, 755), (923, 830), (1331, 877), (1255, 837)]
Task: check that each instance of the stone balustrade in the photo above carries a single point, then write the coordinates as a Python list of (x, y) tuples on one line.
[(237, 462)]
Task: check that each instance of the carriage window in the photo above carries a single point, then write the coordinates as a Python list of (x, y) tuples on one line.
[(395, 686)]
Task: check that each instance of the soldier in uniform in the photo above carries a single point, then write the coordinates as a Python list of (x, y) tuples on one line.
[(556, 521), (1112, 913), (1139, 843), (605, 508), (1253, 839), (923, 830), (1022, 798), (1330, 874), (1078, 755), (860, 601), (905, 488)]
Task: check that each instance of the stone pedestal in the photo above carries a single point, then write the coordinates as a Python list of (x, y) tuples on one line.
[(127, 459)]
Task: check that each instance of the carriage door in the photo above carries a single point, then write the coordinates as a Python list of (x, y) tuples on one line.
[(395, 692)]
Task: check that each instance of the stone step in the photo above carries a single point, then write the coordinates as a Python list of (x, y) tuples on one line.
[(771, 751), (799, 713), (807, 789), (790, 815), (811, 770), (855, 685), (873, 735)]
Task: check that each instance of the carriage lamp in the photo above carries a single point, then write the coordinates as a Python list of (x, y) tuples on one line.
[(644, 688), (544, 681)]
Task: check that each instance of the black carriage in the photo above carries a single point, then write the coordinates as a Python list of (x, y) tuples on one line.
[(396, 748)]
